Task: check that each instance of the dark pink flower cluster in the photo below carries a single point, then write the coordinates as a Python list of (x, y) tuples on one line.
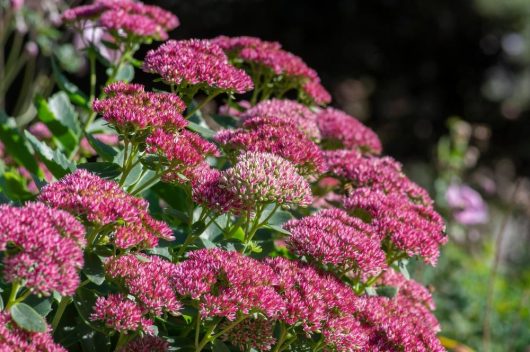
[(261, 178), (415, 229), (106, 206), (15, 339), (183, 152), (207, 191), (128, 17), (276, 136), (337, 126), (332, 237), (282, 63), (148, 279), (257, 334), (146, 344), (196, 62), (228, 284), (289, 110), (130, 109), (122, 314), (48, 248)]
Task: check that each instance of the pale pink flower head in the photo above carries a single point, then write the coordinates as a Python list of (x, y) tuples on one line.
[(125, 19), (303, 118), (289, 69), (338, 127), (339, 241), (132, 111), (118, 312), (181, 152), (228, 284), (101, 203), (197, 63), (15, 339), (49, 248), (262, 178), (256, 334), (146, 343), (467, 204), (148, 279), (276, 136), (41, 131)]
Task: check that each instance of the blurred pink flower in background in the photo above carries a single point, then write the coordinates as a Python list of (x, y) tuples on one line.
[(467, 204)]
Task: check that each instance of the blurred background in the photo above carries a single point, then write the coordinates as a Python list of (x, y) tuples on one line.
[(445, 84)]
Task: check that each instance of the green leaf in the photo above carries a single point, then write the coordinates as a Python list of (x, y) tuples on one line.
[(43, 306), (15, 145), (75, 94), (14, 186), (277, 229), (402, 265), (93, 269), (27, 318), (386, 291), (203, 131), (103, 169), (106, 152), (126, 73), (54, 160), (219, 346)]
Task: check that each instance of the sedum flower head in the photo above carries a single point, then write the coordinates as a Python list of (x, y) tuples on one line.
[(125, 19), (196, 62), (130, 109), (278, 137), (43, 248), (227, 284), (15, 339), (291, 69), (120, 313), (337, 126), (103, 203), (148, 279), (289, 110), (331, 237), (261, 178)]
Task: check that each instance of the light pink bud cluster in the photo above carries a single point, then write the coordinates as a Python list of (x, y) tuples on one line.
[(227, 284), (130, 109), (257, 334), (15, 339), (415, 229), (42, 248), (282, 63), (103, 203), (146, 344), (148, 279), (261, 178), (275, 136), (125, 18), (289, 110), (120, 313), (337, 126), (196, 62), (331, 237), (183, 152)]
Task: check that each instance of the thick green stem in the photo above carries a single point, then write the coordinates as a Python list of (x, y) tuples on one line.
[(65, 301), (208, 337), (281, 339), (13, 295), (201, 105), (122, 340)]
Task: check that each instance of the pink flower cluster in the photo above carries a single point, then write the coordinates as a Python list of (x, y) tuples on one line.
[(282, 63), (106, 206), (261, 178), (331, 237), (128, 17), (289, 110), (227, 284), (42, 248), (197, 63), (276, 136), (337, 126), (122, 314), (183, 152), (15, 339), (148, 279), (130, 109)]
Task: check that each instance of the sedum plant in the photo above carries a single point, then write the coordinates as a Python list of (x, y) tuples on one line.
[(134, 221)]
